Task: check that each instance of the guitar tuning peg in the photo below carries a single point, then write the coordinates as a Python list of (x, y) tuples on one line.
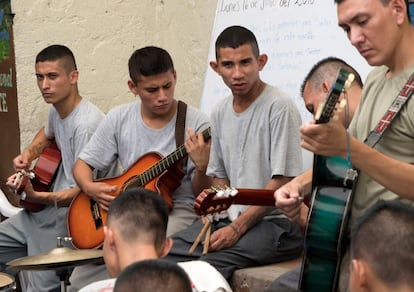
[(220, 193), (233, 192), (349, 81)]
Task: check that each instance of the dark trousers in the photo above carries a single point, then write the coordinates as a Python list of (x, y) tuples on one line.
[(269, 241)]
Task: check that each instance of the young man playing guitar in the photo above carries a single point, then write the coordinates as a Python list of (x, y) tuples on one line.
[(382, 33), (129, 132), (255, 144), (71, 122)]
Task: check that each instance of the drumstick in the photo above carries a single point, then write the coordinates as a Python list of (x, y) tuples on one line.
[(199, 236), (207, 240)]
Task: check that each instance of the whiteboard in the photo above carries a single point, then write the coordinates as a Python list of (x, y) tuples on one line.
[(295, 34)]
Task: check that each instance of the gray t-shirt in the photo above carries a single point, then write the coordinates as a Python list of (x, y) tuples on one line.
[(251, 147), (123, 135), (72, 134)]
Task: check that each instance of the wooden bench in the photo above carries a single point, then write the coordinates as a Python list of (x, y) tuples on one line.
[(257, 279)]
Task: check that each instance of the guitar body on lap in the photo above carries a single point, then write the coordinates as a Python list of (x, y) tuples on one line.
[(86, 219), (325, 231), (332, 186), (41, 176)]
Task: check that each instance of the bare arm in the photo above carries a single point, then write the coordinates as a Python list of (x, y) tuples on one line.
[(98, 191), (39, 142), (63, 197), (289, 197), (199, 152)]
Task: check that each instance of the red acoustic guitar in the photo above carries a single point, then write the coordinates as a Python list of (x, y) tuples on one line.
[(151, 171), (41, 176), (215, 200)]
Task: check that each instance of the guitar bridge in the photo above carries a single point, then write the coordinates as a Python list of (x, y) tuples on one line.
[(96, 214)]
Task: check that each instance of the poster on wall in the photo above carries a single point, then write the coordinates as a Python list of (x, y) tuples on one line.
[(9, 119)]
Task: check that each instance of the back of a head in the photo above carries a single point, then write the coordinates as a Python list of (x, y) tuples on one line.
[(384, 238), (234, 37), (58, 52), (149, 61), (156, 275), (327, 69), (139, 214)]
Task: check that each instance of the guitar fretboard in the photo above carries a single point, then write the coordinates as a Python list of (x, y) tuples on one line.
[(165, 163)]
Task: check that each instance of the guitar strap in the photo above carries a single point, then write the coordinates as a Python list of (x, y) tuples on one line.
[(398, 103), (375, 135), (180, 127)]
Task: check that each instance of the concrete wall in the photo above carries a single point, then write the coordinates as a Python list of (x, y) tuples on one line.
[(103, 34)]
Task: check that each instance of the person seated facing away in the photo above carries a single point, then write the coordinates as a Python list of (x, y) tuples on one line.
[(153, 275), (382, 249), (136, 230), (131, 131)]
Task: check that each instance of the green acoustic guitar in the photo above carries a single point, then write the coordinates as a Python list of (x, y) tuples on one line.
[(329, 210)]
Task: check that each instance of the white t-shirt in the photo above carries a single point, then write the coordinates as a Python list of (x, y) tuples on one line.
[(204, 277)]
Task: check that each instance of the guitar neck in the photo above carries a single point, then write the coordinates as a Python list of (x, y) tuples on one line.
[(256, 197), (168, 161)]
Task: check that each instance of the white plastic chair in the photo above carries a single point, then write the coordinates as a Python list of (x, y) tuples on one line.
[(8, 210)]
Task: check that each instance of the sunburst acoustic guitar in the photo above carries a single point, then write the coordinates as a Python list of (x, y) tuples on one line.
[(151, 171)]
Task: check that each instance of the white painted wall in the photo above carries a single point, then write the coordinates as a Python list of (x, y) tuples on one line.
[(103, 34)]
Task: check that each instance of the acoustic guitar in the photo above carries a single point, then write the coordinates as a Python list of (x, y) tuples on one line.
[(330, 207), (41, 176), (215, 200), (151, 171)]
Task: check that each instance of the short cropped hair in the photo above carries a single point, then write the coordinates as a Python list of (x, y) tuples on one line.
[(384, 238), (155, 275), (58, 52), (385, 3), (234, 37), (326, 69), (140, 214), (149, 61)]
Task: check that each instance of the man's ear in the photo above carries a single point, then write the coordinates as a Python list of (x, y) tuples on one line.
[(167, 247), (109, 237), (132, 87), (262, 60), (326, 86), (399, 9), (74, 76), (359, 274), (214, 66)]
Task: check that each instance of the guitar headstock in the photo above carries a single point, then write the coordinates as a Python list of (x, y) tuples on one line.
[(20, 181), (343, 81), (214, 200)]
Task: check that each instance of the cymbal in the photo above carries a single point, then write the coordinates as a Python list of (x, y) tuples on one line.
[(57, 258)]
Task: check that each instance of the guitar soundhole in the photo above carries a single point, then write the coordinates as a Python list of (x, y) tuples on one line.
[(96, 214)]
